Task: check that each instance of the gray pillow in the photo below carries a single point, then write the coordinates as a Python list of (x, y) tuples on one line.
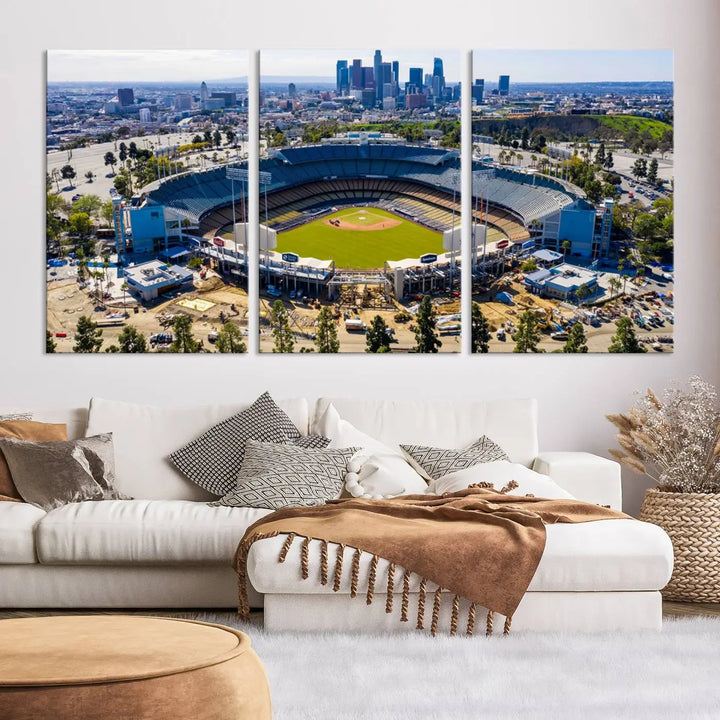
[(213, 460), (51, 474), (16, 416), (277, 475), (433, 463)]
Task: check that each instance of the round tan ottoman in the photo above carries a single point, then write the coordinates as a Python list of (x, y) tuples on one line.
[(116, 667)]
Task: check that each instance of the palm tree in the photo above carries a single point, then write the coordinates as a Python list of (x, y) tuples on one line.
[(124, 287), (615, 284), (565, 245), (581, 293), (533, 160)]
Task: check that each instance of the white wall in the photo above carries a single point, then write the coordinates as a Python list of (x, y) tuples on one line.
[(574, 392)]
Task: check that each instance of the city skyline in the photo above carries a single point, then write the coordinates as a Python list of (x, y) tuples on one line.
[(128, 66), (321, 63)]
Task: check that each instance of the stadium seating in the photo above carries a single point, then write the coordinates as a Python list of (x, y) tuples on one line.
[(419, 182)]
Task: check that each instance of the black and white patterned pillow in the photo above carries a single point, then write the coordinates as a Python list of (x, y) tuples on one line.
[(434, 463), (16, 416), (213, 460), (275, 476)]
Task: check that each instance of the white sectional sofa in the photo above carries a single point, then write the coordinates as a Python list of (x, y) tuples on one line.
[(168, 548)]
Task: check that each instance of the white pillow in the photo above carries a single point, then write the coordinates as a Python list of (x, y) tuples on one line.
[(375, 471), (144, 435), (500, 473), (341, 433), (382, 475)]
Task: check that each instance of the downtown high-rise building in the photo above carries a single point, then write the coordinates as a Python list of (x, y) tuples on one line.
[(438, 73), (342, 77), (292, 90), (396, 75), (125, 96), (204, 94), (356, 75), (478, 91), (377, 74), (416, 78), (504, 85)]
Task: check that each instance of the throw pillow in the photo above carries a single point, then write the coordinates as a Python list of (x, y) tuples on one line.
[(24, 430), (377, 470), (432, 463), (275, 476), (51, 474), (213, 460), (15, 416), (501, 473), (382, 475)]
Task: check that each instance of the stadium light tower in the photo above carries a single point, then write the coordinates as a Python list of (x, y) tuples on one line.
[(240, 174), (265, 180)]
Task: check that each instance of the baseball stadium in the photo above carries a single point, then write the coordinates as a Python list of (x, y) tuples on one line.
[(345, 208), (368, 224)]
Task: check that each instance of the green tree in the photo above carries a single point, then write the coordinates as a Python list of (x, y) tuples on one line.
[(197, 139), (652, 173), (106, 212), (80, 224), (527, 336), (183, 340), (230, 136), (88, 338), (529, 266), (282, 334), (566, 246), (326, 338), (121, 182), (426, 336), (600, 155), (647, 226), (377, 337), (89, 175), (123, 153), (50, 344), (615, 283), (230, 339), (639, 168), (67, 172), (110, 159), (581, 293), (207, 136), (624, 340), (576, 342), (217, 138), (132, 341), (90, 204), (609, 162), (480, 330)]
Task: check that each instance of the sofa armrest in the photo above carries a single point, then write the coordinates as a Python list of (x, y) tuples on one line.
[(588, 477)]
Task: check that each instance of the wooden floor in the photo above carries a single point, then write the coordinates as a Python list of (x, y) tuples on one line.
[(670, 609)]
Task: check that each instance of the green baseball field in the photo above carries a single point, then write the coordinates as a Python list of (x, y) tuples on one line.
[(360, 238)]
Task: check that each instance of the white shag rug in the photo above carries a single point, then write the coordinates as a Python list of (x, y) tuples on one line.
[(344, 676)]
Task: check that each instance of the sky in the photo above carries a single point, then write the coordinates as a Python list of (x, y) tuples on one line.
[(297, 63), (573, 65), (198, 65), (145, 65)]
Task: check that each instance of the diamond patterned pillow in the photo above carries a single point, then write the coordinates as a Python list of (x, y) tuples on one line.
[(213, 460), (434, 463), (275, 476)]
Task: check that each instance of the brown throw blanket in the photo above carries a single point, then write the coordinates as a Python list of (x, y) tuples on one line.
[(477, 543)]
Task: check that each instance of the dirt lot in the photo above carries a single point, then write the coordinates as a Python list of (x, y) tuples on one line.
[(66, 302)]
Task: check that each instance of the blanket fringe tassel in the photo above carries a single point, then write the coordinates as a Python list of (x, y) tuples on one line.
[(390, 588), (422, 591), (244, 605)]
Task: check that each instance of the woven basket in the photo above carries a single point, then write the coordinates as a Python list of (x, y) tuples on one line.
[(692, 520)]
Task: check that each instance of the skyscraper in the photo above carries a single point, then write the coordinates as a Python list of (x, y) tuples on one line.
[(504, 85), (356, 78), (416, 78), (396, 75), (126, 96), (438, 73), (292, 90), (377, 74), (341, 77), (204, 94), (478, 91)]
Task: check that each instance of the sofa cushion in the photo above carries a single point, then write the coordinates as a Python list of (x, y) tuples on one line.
[(606, 555), (511, 423), (144, 435), (17, 533), (142, 531)]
